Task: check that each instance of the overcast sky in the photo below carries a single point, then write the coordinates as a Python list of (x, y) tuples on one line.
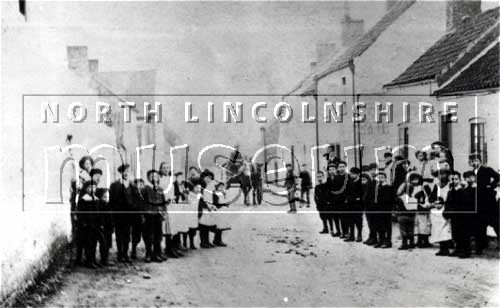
[(224, 47)]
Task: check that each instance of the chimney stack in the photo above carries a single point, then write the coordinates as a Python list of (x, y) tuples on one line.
[(352, 29), (93, 66), (459, 10), (77, 59)]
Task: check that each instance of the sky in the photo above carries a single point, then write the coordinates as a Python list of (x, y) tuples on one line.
[(203, 47), (223, 47)]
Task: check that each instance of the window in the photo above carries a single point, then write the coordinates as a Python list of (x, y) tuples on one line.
[(343, 81), (477, 139), (445, 130), (403, 140)]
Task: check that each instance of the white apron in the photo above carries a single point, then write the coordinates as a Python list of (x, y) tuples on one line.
[(192, 210), (222, 214), (441, 227)]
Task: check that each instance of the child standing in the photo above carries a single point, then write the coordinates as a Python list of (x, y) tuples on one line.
[(410, 196), (206, 207), (179, 188), (155, 206), (321, 193), (221, 217), (194, 197), (354, 205), (384, 200), (137, 216), (90, 221), (441, 226), (107, 223)]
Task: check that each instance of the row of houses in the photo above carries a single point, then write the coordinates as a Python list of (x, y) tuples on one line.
[(47, 62), (419, 51)]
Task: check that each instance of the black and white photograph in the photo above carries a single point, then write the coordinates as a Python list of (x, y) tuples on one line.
[(339, 153)]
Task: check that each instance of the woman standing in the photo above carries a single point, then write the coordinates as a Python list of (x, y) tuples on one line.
[(166, 184)]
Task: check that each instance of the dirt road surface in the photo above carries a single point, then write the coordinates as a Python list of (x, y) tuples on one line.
[(279, 259)]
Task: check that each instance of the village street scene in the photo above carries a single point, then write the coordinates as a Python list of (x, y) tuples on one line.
[(248, 154)]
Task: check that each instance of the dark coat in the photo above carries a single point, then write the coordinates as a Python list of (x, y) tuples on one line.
[(353, 194), (305, 180), (487, 180), (385, 198), (121, 197), (155, 202), (337, 187), (321, 194), (88, 212)]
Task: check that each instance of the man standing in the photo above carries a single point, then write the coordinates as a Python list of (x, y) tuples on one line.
[(305, 184), (354, 216), (290, 188), (332, 206), (486, 205), (256, 184), (121, 196), (338, 188), (321, 200)]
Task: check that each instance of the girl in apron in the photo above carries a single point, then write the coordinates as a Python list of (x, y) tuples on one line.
[(441, 226), (166, 185), (221, 215), (206, 207)]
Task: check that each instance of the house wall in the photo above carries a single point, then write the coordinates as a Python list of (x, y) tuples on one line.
[(395, 49), (413, 33), (423, 134), (34, 62)]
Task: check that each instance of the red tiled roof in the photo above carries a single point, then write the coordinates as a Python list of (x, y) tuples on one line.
[(447, 49), (482, 74)]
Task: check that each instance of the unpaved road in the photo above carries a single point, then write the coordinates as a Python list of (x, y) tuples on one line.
[(278, 259)]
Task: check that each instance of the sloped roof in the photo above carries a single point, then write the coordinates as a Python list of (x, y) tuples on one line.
[(482, 74), (447, 49), (472, 51), (341, 60), (367, 39)]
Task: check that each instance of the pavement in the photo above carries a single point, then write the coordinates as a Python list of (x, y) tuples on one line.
[(278, 259)]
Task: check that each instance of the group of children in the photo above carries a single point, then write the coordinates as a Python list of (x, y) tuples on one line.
[(430, 201), (151, 211)]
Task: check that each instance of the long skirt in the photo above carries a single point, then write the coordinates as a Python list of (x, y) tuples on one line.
[(192, 215), (423, 224), (178, 217), (166, 223), (222, 218), (207, 218)]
